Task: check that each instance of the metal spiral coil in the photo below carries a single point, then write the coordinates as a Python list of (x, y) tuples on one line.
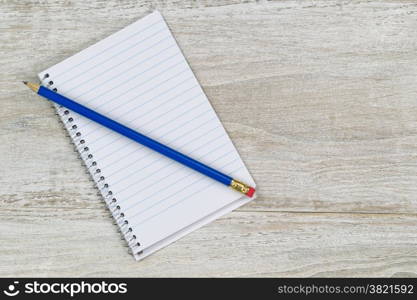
[(99, 180)]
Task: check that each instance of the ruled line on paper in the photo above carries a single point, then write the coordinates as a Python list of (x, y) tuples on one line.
[(149, 100), (157, 170), (118, 64), (144, 124), (176, 138), (130, 122), (168, 144), (136, 86), (105, 50), (201, 177), (101, 84), (128, 142), (166, 165), (185, 197)]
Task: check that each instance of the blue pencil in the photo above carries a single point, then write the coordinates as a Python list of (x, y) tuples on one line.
[(142, 139)]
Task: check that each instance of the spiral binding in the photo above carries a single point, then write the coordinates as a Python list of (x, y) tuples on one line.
[(81, 146)]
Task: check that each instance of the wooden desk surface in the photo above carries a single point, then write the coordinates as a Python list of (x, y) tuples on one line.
[(320, 98)]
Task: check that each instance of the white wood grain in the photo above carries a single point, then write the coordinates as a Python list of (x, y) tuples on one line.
[(318, 96), (83, 242)]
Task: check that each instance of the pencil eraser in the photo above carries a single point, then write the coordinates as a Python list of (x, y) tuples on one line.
[(250, 192)]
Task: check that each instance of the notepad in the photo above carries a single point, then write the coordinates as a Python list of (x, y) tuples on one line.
[(140, 78)]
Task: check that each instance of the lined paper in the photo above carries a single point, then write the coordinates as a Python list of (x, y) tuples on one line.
[(139, 77)]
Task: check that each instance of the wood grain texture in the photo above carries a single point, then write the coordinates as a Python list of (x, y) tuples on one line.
[(319, 97)]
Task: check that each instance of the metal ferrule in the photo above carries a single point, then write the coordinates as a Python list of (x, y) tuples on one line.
[(239, 186)]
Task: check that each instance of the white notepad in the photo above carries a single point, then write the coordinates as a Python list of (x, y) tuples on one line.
[(139, 77)]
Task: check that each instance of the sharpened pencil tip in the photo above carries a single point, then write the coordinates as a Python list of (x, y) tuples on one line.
[(34, 87)]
